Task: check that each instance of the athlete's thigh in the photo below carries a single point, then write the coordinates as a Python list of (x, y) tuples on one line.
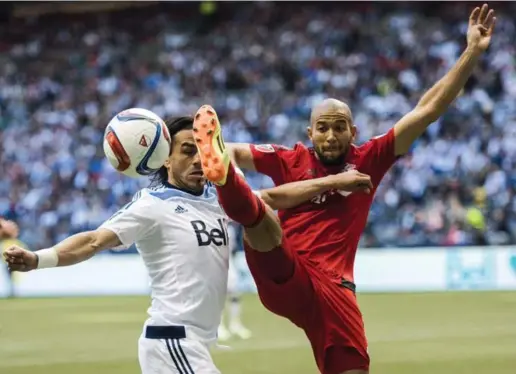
[(342, 344), (283, 283), (175, 356)]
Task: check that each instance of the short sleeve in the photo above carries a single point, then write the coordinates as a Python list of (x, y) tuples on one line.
[(134, 222), (267, 160), (379, 155)]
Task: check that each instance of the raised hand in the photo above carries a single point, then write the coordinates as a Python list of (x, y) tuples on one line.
[(481, 25)]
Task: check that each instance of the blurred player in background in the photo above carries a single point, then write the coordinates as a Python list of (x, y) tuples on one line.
[(9, 232), (304, 269), (233, 309), (180, 232)]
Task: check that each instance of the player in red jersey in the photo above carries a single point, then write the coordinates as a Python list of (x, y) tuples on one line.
[(304, 268)]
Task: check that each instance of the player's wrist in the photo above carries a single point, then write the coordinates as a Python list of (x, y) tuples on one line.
[(46, 258), (473, 51), (329, 182)]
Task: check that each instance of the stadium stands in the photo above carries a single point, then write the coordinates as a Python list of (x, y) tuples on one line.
[(262, 65)]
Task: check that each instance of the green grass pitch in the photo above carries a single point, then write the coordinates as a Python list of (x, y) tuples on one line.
[(438, 333)]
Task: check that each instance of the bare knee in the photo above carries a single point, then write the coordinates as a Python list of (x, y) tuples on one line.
[(265, 236)]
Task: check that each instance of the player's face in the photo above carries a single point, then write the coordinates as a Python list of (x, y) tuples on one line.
[(184, 164), (332, 134)]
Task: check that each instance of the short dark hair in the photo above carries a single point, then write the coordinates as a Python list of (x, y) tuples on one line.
[(174, 125)]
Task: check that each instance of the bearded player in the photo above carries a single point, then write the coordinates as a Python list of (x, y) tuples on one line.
[(304, 269)]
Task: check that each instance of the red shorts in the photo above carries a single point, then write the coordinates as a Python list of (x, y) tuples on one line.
[(326, 311)]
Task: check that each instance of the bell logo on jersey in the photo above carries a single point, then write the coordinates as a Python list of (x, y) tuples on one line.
[(217, 236)]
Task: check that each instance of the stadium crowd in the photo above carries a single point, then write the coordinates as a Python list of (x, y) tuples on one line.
[(262, 66)]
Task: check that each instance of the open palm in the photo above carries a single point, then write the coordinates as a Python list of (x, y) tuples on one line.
[(481, 25)]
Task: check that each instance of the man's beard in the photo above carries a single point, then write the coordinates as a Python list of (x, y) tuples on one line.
[(330, 161)]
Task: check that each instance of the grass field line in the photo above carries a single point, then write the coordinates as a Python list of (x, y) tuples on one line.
[(38, 358)]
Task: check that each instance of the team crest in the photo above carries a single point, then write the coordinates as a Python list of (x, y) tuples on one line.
[(265, 148), (349, 167)]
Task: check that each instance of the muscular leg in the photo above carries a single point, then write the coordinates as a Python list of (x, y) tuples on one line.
[(264, 234), (262, 229)]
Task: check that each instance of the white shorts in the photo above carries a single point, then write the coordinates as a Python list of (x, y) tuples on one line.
[(175, 356)]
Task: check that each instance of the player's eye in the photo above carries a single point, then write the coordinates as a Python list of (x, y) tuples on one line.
[(190, 151), (340, 127)]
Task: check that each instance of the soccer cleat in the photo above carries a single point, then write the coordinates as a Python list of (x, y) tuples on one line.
[(240, 330), (212, 151)]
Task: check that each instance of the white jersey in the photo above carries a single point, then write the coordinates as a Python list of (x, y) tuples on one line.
[(183, 241)]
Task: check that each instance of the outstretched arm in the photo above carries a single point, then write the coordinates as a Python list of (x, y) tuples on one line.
[(241, 155), (293, 194), (75, 249), (436, 100), (134, 221)]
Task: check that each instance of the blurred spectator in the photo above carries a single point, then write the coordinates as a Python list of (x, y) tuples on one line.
[(263, 66)]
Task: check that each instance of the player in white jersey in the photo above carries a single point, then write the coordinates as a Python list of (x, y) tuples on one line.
[(181, 233)]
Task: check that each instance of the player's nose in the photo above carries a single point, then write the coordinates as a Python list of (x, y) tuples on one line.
[(330, 137), (196, 160)]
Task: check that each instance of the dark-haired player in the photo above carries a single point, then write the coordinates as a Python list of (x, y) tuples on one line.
[(304, 269)]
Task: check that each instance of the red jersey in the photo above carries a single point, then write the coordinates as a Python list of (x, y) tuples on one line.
[(326, 230)]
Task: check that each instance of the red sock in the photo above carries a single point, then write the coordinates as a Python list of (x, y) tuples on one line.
[(239, 202)]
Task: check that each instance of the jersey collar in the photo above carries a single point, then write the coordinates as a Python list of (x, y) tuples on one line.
[(170, 185)]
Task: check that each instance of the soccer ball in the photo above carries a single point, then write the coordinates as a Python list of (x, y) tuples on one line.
[(136, 142)]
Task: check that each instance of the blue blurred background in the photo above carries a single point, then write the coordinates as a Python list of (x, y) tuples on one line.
[(444, 218), (66, 68)]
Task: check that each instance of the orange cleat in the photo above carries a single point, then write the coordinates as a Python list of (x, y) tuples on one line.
[(210, 145)]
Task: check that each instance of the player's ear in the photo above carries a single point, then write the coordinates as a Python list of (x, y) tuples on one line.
[(353, 133), (309, 132)]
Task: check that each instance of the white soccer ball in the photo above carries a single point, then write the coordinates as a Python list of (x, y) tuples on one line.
[(136, 142)]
